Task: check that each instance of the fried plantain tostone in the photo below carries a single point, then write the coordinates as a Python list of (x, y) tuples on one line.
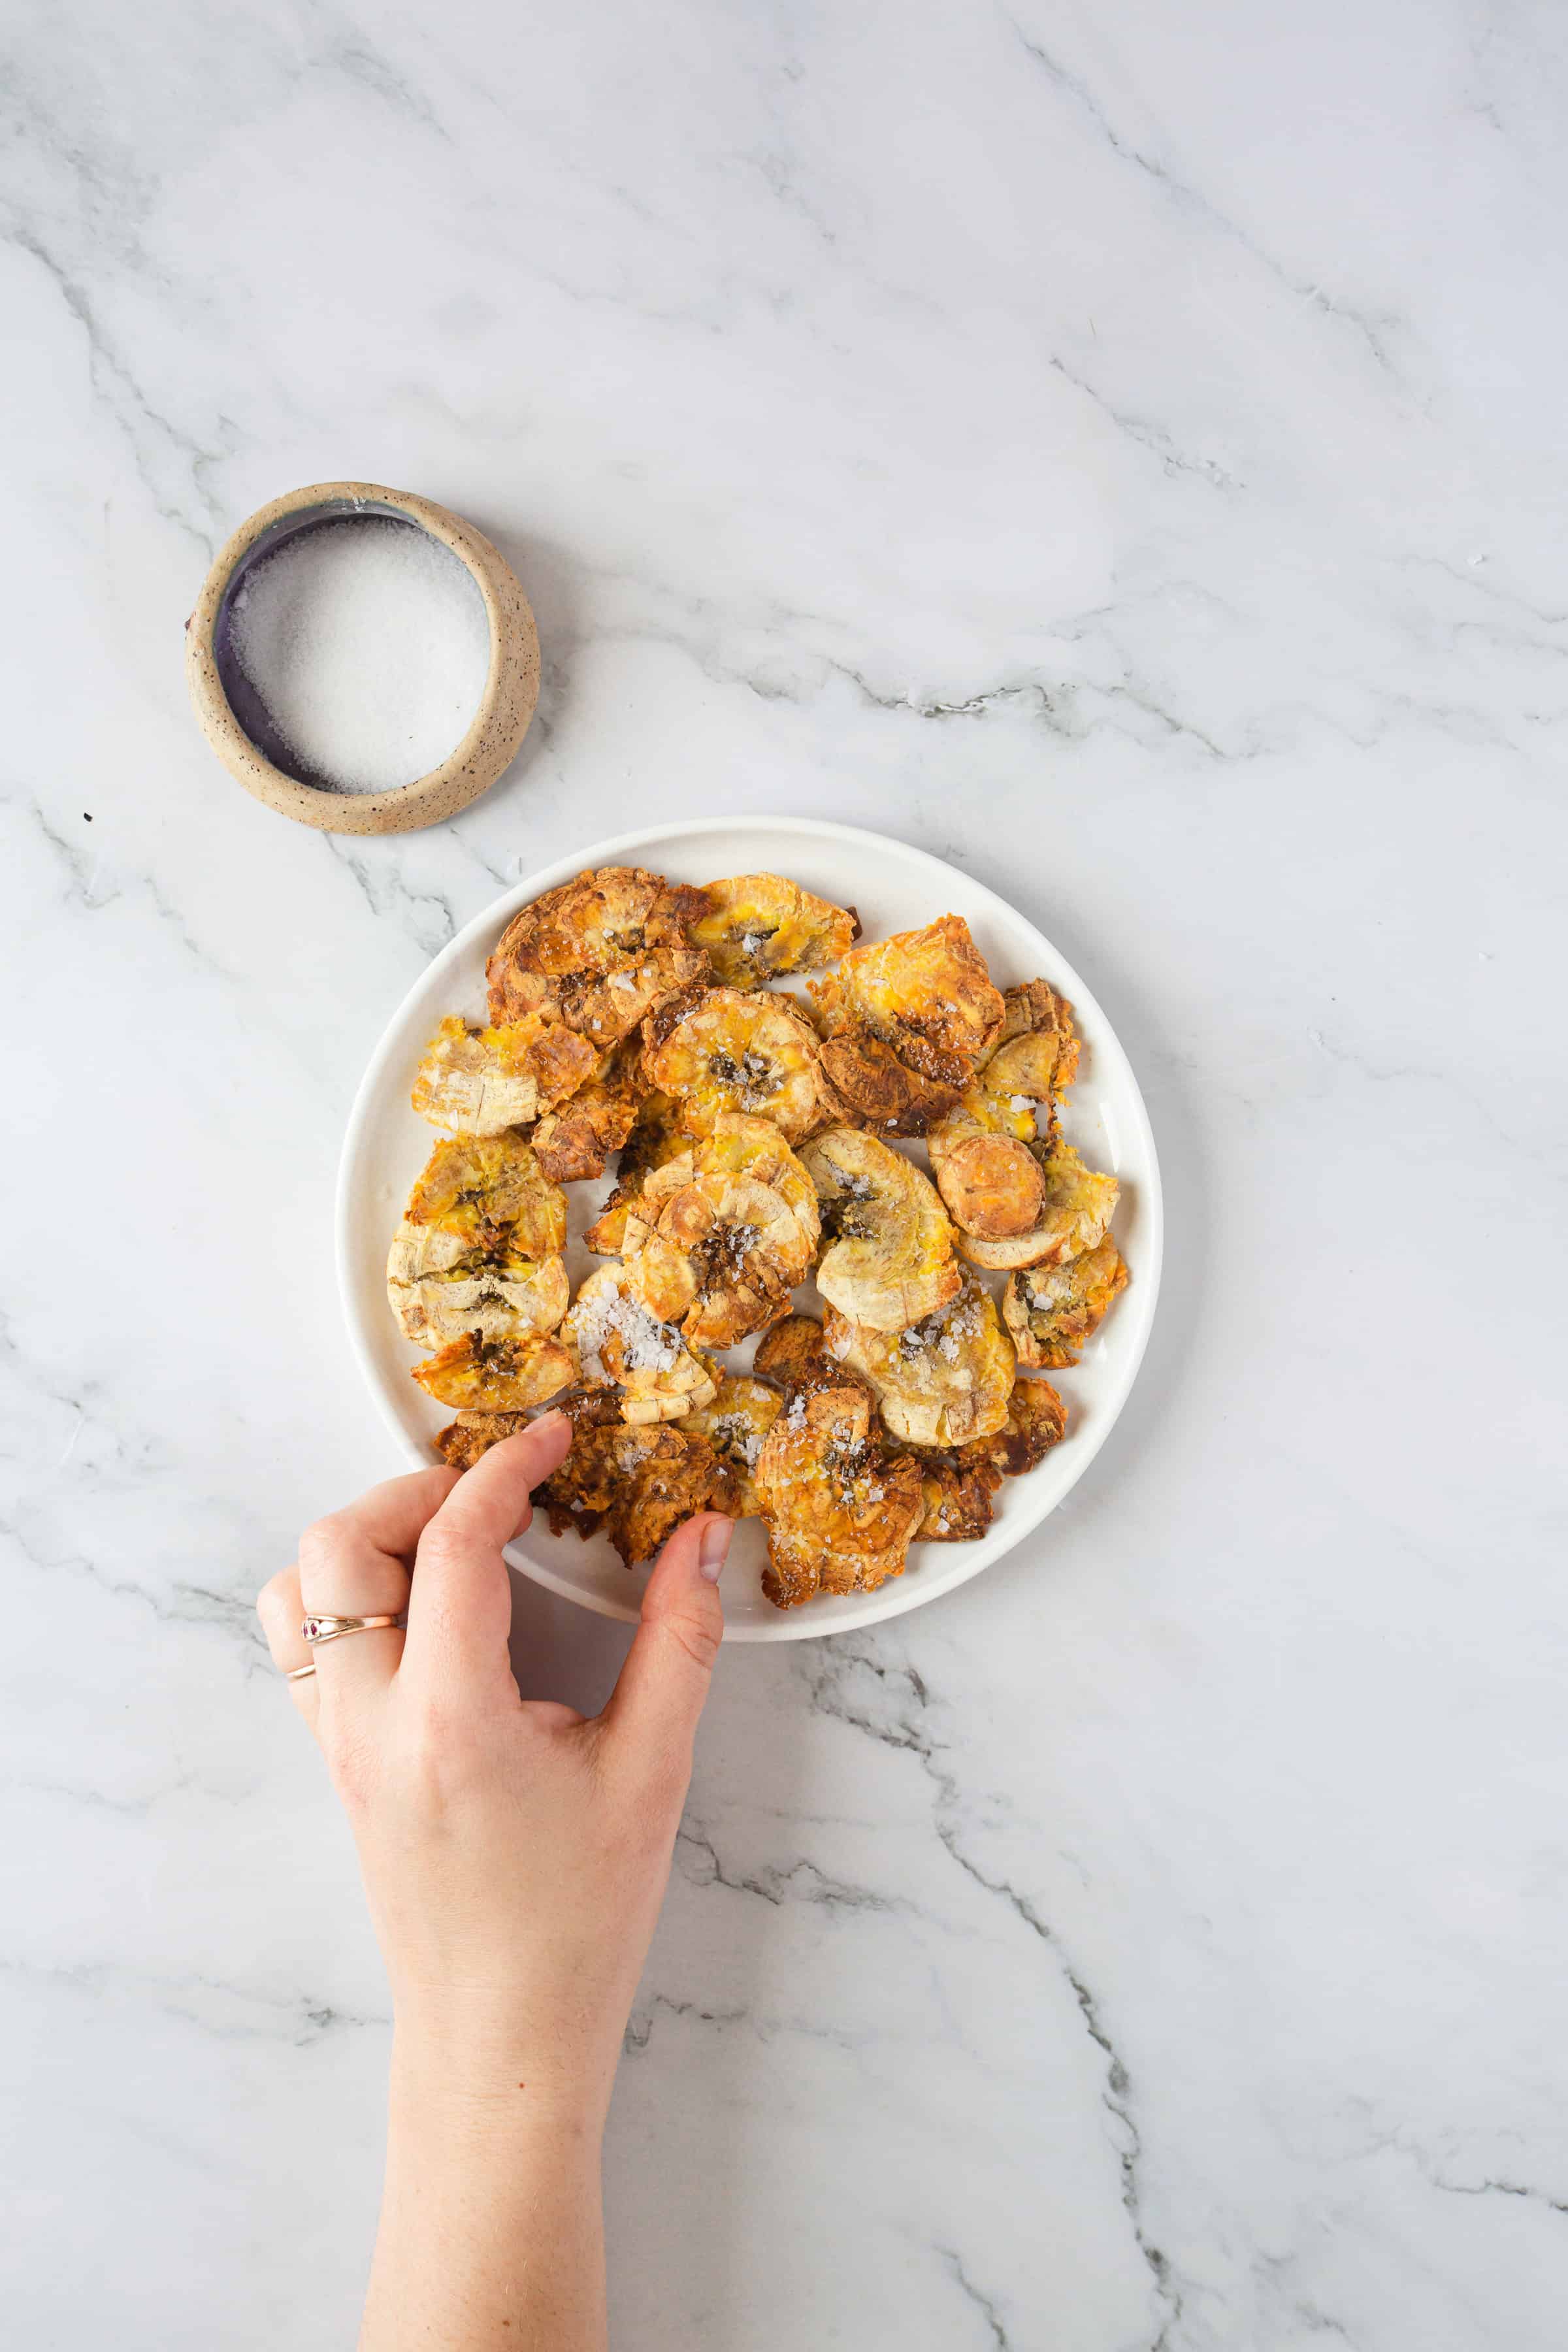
[(840, 1509), (477, 1375), (719, 1236), (637, 1484), (926, 993), (467, 1439), (865, 1083), (478, 1249), (939, 1381), (1076, 1209), (727, 1050), (960, 1484), (988, 1153), (959, 1504), (890, 1259), (619, 1344), (794, 1354), (481, 1081), (575, 1141), (736, 1425), (763, 925), (1036, 1420), (657, 1135), (1052, 1310), (601, 953)]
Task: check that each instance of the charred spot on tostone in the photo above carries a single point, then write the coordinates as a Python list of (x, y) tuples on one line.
[(721, 1255), (847, 1220), (666, 1018), (848, 1214), (752, 1075)]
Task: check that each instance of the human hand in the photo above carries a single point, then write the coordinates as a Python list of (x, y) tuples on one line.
[(514, 1853)]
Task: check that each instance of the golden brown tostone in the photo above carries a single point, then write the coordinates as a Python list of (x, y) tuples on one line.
[(840, 1509), (601, 953), (637, 1484)]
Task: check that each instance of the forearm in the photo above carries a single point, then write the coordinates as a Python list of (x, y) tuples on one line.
[(491, 2227), (515, 1854)]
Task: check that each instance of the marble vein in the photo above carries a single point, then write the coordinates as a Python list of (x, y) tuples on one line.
[(982, 2303), (423, 915), (94, 883), (905, 1727), (224, 2011), (159, 446), (1149, 435), (1373, 333), (803, 1882)]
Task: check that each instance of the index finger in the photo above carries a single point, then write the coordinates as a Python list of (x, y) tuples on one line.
[(460, 1611), (393, 1516)]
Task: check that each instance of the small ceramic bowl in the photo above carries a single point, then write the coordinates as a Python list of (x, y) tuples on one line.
[(238, 726)]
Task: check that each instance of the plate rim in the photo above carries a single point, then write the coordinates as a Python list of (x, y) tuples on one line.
[(895, 1598)]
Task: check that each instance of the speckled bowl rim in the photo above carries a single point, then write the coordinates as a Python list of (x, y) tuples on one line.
[(506, 705)]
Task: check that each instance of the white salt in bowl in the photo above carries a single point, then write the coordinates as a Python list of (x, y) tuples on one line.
[(244, 732)]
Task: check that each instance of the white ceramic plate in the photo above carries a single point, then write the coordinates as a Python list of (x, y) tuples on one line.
[(894, 888)]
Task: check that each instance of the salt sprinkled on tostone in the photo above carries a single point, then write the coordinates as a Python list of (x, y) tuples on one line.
[(646, 1344), (369, 643)]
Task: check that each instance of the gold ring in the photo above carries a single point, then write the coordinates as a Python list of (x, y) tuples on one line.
[(317, 1630), (298, 1674)]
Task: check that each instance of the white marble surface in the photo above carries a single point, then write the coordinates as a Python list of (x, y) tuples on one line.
[(1120, 448)]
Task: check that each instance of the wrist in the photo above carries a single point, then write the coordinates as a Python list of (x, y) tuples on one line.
[(484, 2065)]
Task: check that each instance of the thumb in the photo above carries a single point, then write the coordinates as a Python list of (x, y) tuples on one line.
[(653, 1710)]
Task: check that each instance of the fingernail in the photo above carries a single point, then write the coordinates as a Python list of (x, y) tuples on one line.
[(713, 1548)]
